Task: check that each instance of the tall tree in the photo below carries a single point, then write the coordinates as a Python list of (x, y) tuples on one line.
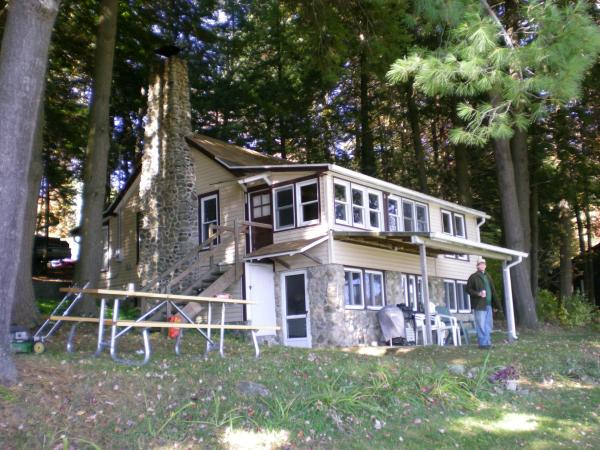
[(96, 159), (506, 86), (23, 59)]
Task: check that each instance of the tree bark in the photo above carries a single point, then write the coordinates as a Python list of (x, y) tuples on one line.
[(413, 118), (518, 147), (23, 60), (513, 232), (96, 162), (566, 250), (25, 312)]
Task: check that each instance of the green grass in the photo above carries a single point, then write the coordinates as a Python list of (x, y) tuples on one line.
[(352, 399)]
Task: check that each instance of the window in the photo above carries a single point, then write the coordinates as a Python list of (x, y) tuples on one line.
[(105, 247), (353, 290), (374, 207), (307, 194), (459, 226), (447, 222), (462, 297), (358, 207), (374, 289), (261, 205), (209, 216), (284, 207), (341, 203), (450, 295), (393, 215), (454, 224), (412, 289), (422, 217), (408, 216)]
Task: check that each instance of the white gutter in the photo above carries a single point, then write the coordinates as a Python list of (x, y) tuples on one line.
[(508, 298)]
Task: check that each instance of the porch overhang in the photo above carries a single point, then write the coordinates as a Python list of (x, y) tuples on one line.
[(432, 244), (288, 248), (435, 243)]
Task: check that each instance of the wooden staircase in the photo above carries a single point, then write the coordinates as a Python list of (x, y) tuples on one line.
[(210, 278)]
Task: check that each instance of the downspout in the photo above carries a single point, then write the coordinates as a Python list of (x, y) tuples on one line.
[(508, 298), (479, 225)]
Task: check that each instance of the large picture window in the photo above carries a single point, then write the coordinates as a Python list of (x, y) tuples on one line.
[(284, 207), (307, 194)]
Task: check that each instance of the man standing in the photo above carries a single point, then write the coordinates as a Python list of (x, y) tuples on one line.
[(482, 292)]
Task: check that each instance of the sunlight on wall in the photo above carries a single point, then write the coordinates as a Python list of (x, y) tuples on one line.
[(244, 439)]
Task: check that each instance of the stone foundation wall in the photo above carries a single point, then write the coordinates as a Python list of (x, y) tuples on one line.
[(332, 325)]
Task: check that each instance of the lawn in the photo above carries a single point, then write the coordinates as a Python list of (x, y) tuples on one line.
[(367, 397)]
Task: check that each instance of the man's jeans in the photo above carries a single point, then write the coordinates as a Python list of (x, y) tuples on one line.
[(483, 325)]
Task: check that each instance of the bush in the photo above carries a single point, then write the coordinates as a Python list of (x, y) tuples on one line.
[(547, 306), (579, 311)]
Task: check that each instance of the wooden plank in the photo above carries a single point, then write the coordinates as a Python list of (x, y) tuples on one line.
[(213, 326), (155, 295), (80, 319)]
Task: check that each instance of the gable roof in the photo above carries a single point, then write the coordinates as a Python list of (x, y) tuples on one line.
[(231, 155)]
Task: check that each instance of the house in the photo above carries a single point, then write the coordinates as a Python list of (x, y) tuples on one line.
[(318, 247)]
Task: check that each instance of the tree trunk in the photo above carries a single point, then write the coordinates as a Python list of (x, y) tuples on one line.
[(535, 240), (518, 147), (96, 162), (566, 250), (367, 152), (513, 232), (413, 118), (588, 255), (23, 60), (25, 312)]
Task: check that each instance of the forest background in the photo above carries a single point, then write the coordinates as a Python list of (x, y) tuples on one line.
[(364, 84)]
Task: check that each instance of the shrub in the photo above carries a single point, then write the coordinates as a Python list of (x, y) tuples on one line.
[(547, 306), (579, 311)]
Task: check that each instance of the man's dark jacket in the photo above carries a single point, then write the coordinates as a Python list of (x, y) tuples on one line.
[(475, 285)]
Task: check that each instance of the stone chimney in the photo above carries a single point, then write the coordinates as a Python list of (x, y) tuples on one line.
[(168, 201)]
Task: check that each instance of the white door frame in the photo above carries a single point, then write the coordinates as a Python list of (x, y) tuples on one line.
[(295, 342)]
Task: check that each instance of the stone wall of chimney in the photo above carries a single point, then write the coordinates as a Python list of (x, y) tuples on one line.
[(168, 198)]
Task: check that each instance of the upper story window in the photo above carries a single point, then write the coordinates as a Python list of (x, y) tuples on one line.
[(407, 215), (394, 215), (453, 224), (374, 206), (341, 202), (307, 194), (357, 205), (284, 207)]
